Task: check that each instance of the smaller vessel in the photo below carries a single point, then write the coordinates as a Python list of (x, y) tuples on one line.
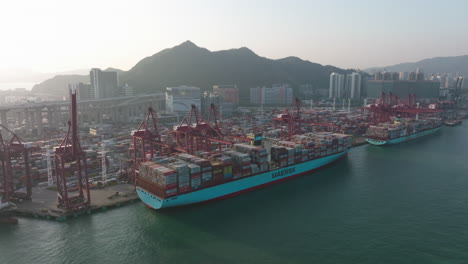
[(401, 131), (455, 122), (5, 213)]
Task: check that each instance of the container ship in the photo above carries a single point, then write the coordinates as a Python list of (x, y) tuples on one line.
[(184, 179), (402, 131)]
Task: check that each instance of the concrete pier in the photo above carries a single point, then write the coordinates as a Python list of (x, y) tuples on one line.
[(44, 202)]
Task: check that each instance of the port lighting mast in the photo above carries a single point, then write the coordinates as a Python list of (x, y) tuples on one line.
[(103, 161), (50, 177)]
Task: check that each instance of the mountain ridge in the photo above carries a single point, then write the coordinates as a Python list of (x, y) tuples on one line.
[(190, 64), (447, 64)]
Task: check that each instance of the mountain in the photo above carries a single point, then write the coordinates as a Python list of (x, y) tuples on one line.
[(58, 85), (192, 65), (25, 75), (433, 65)]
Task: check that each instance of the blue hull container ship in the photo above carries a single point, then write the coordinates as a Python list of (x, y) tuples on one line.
[(185, 179), (398, 132)]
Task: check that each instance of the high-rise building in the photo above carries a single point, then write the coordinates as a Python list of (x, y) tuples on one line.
[(83, 91), (229, 92), (180, 99), (354, 83), (423, 89), (419, 75), (104, 83), (387, 76), (279, 94), (228, 98), (128, 90), (306, 90), (378, 76), (403, 76), (337, 85), (416, 76), (284, 93), (348, 85), (209, 98)]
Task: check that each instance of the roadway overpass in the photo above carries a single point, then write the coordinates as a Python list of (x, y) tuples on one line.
[(34, 116)]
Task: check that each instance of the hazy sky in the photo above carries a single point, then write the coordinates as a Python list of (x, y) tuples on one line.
[(50, 35)]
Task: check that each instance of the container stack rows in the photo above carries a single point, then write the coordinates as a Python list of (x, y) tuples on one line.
[(195, 176), (258, 157), (308, 147), (162, 178), (183, 176), (415, 126), (170, 176), (204, 165), (241, 164), (226, 163)]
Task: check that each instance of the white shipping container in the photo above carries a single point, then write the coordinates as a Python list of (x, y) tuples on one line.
[(207, 176), (193, 168), (206, 169)]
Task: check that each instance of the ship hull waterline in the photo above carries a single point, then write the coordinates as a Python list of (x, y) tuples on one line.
[(377, 142), (238, 186)]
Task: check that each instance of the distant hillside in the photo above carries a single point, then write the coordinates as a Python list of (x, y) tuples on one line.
[(191, 65), (58, 85), (29, 76), (434, 65)]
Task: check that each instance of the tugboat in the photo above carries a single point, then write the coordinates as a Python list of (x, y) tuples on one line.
[(452, 123), (6, 209)]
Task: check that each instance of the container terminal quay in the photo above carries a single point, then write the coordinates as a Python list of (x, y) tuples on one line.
[(74, 157)]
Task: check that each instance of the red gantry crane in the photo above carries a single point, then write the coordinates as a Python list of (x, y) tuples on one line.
[(196, 133), (294, 122), (14, 149), (70, 152), (390, 105), (147, 141)]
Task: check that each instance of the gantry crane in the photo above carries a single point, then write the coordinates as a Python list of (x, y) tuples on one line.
[(70, 152), (14, 149), (196, 133), (390, 105)]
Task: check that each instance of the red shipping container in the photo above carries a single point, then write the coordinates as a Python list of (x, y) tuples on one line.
[(184, 189), (195, 175)]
